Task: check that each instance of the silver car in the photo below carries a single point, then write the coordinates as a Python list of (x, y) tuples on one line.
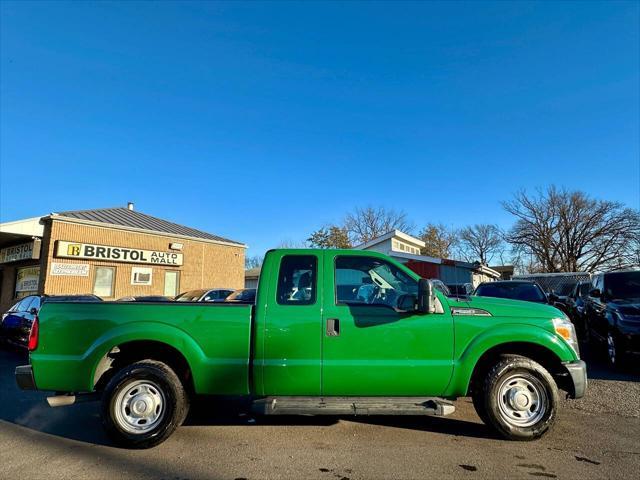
[(204, 295)]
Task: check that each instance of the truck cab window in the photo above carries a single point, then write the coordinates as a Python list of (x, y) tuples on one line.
[(297, 281), (371, 281)]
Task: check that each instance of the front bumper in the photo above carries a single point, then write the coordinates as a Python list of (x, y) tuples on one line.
[(24, 377), (629, 341), (578, 373)]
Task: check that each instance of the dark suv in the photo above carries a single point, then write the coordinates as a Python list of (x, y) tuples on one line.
[(612, 314), (575, 304), (16, 322), (513, 289)]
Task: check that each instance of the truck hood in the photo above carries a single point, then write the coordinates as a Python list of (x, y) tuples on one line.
[(503, 307)]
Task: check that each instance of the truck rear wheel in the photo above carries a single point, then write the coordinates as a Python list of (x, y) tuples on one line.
[(143, 404), (519, 398)]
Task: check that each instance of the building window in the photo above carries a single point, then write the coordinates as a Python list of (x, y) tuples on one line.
[(171, 283), (297, 280), (141, 276), (27, 280), (103, 283)]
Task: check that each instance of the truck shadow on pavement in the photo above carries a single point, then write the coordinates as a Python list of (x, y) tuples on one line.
[(81, 422), (30, 409), (445, 425), (214, 413)]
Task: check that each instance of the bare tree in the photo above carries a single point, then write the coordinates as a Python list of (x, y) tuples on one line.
[(290, 243), (439, 240), (364, 224), (481, 242), (569, 231), (253, 262), (523, 261)]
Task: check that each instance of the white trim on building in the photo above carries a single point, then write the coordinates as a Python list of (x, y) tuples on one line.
[(393, 242), (30, 227)]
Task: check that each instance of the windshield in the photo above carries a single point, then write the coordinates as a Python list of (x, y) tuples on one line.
[(585, 288), (458, 289), (247, 295), (529, 292), (438, 285), (72, 298), (192, 296), (622, 285)]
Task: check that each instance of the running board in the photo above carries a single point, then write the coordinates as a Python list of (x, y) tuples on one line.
[(352, 406)]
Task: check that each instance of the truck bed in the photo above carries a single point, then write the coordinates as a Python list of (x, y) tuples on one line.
[(214, 339)]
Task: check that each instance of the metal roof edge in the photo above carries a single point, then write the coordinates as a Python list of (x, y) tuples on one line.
[(60, 218)]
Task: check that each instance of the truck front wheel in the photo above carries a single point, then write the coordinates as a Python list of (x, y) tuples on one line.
[(143, 404), (518, 398)]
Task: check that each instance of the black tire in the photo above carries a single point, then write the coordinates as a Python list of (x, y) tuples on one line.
[(518, 374), (164, 386), (479, 405)]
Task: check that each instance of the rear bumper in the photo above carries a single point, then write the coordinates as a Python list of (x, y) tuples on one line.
[(578, 374), (24, 377)]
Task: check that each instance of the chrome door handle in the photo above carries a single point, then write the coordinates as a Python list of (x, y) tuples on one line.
[(333, 327)]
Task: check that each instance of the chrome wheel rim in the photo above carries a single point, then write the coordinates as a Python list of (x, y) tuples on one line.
[(522, 401), (611, 349), (139, 407)]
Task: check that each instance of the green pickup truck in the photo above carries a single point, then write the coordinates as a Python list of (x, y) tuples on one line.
[(338, 332)]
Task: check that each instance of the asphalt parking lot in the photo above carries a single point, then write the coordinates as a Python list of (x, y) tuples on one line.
[(596, 437)]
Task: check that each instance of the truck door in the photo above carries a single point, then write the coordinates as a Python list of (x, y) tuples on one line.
[(371, 349), (291, 356)]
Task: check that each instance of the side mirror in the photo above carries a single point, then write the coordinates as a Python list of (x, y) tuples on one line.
[(33, 311), (595, 292), (426, 300), (553, 297)]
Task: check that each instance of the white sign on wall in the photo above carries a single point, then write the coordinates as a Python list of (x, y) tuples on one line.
[(27, 279), (24, 251), (116, 254), (141, 275), (70, 269)]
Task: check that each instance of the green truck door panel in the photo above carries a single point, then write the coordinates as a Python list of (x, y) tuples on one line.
[(378, 351), (293, 326)]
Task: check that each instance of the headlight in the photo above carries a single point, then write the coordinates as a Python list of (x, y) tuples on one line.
[(566, 330)]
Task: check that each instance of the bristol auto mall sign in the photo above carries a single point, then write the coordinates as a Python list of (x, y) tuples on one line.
[(116, 254)]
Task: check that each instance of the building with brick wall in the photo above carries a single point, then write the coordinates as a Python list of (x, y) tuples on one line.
[(112, 253)]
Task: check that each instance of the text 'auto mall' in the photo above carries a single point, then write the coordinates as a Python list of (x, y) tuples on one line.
[(112, 253)]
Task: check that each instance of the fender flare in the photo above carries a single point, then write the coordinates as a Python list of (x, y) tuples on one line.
[(143, 331), (500, 335)]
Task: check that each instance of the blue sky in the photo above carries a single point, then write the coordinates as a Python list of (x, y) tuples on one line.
[(263, 121)]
